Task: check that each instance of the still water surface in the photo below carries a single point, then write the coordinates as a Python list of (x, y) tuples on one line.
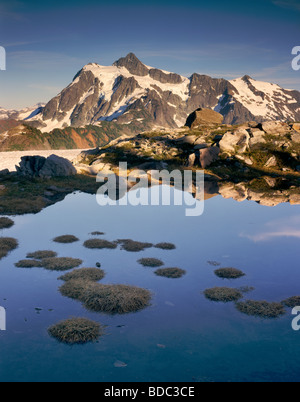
[(181, 336)]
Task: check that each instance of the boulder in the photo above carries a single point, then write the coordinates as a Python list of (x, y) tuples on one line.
[(38, 166), (187, 139), (271, 162), (257, 137), (296, 127), (191, 160), (275, 127), (236, 142), (56, 166), (203, 116), (296, 137), (201, 146), (208, 156)]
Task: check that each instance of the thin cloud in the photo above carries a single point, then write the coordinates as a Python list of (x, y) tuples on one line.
[(275, 229)]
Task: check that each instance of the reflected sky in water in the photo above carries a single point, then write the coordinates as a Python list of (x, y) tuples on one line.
[(181, 336)]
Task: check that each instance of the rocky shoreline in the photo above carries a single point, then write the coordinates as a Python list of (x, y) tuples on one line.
[(256, 162)]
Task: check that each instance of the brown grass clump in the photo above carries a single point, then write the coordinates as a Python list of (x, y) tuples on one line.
[(170, 272), (76, 331), (39, 255), (7, 244), (229, 273), (133, 246), (60, 264), (28, 264), (6, 223), (262, 309), (165, 246), (99, 244), (292, 302), (88, 274), (150, 262), (66, 239), (74, 289), (221, 294), (115, 299), (214, 263), (96, 233)]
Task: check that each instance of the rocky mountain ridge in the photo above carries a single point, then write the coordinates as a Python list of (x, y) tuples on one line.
[(130, 91)]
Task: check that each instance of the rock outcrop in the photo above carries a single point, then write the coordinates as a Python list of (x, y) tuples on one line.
[(39, 166), (203, 116)]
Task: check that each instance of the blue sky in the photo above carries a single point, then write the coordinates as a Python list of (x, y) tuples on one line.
[(48, 42)]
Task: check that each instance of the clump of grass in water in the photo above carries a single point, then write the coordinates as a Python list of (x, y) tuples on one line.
[(229, 273), (74, 289), (170, 272), (66, 239), (214, 263), (89, 274), (99, 244), (222, 294), (292, 302), (261, 309), (6, 223), (76, 331), (60, 264), (165, 246), (133, 246), (7, 244), (96, 233), (150, 262), (115, 299), (28, 264), (39, 255)]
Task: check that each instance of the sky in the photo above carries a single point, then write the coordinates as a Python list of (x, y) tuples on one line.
[(47, 43)]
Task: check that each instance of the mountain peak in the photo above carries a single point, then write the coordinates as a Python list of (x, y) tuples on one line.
[(246, 78), (133, 65)]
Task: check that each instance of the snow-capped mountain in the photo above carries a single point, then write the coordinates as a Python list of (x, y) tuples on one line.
[(129, 90), (23, 114)]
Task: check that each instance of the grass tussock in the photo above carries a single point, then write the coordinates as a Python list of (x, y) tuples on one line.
[(99, 244), (60, 264), (41, 254), (96, 233), (74, 288), (76, 331), (7, 244), (229, 273), (261, 309), (133, 246), (214, 263), (165, 246), (222, 294), (170, 272), (6, 223), (28, 264), (150, 262), (292, 302), (66, 239), (87, 274), (115, 299)]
